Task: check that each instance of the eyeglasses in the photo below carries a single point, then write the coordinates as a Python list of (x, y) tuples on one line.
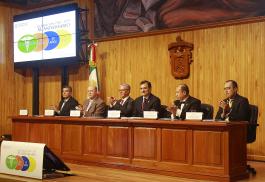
[(227, 88)]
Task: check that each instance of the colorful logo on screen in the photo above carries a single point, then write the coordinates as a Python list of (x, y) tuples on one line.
[(44, 41), (22, 163)]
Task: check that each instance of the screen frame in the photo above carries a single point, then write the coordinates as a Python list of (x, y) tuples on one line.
[(54, 61), (52, 162)]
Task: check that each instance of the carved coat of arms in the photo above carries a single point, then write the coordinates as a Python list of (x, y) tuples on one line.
[(180, 58)]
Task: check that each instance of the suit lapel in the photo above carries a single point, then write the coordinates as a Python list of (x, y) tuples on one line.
[(186, 105), (185, 108), (60, 104), (149, 102), (118, 106), (127, 101), (92, 107), (67, 103), (234, 105)]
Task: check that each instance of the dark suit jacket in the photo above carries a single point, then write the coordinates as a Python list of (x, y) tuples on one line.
[(69, 105), (153, 104), (126, 109), (97, 108), (240, 110), (191, 104)]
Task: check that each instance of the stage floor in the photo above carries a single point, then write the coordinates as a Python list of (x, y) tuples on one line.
[(84, 173)]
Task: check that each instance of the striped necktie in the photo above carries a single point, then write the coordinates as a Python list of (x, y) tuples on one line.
[(144, 103), (121, 102)]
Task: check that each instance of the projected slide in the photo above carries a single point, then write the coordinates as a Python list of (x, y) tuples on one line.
[(47, 37)]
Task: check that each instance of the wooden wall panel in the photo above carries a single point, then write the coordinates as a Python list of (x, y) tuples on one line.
[(236, 158), (94, 140), (230, 52), (174, 145), (208, 148), (11, 83), (37, 133), (73, 146), (49, 88), (54, 138), (144, 143), (118, 141), (21, 130)]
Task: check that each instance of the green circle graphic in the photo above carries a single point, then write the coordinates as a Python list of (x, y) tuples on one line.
[(11, 162), (27, 43)]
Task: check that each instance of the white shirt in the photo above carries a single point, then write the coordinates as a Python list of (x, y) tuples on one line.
[(179, 111), (145, 98), (65, 100), (124, 100), (89, 104)]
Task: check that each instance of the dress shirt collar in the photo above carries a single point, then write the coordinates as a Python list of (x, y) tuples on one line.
[(124, 99), (95, 98), (184, 100), (147, 98), (65, 100)]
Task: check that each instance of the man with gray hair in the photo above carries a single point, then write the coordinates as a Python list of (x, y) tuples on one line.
[(125, 103)]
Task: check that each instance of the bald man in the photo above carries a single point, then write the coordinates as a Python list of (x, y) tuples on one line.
[(93, 106), (184, 103), (125, 103)]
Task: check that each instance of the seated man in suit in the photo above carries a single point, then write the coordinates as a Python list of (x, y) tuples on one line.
[(146, 102), (93, 106), (125, 103), (234, 107), (184, 103), (67, 103)]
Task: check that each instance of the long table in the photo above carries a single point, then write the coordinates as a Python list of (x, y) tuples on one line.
[(192, 149)]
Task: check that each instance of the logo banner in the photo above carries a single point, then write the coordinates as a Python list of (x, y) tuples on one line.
[(22, 159)]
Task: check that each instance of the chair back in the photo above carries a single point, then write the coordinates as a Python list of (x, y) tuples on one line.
[(207, 110), (253, 123)]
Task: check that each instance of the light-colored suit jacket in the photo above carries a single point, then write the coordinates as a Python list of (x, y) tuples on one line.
[(97, 108)]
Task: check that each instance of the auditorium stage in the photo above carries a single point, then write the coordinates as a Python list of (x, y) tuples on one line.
[(84, 173)]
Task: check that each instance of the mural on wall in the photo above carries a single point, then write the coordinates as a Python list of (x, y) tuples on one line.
[(116, 17)]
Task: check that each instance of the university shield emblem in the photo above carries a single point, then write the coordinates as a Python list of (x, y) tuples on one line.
[(180, 58)]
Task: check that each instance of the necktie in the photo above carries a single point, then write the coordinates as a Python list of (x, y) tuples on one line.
[(230, 102), (122, 101), (89, 105), (145, 101), (63, 104), (181, 104)]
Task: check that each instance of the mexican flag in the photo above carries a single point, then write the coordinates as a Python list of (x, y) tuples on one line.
[(93, 74)]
